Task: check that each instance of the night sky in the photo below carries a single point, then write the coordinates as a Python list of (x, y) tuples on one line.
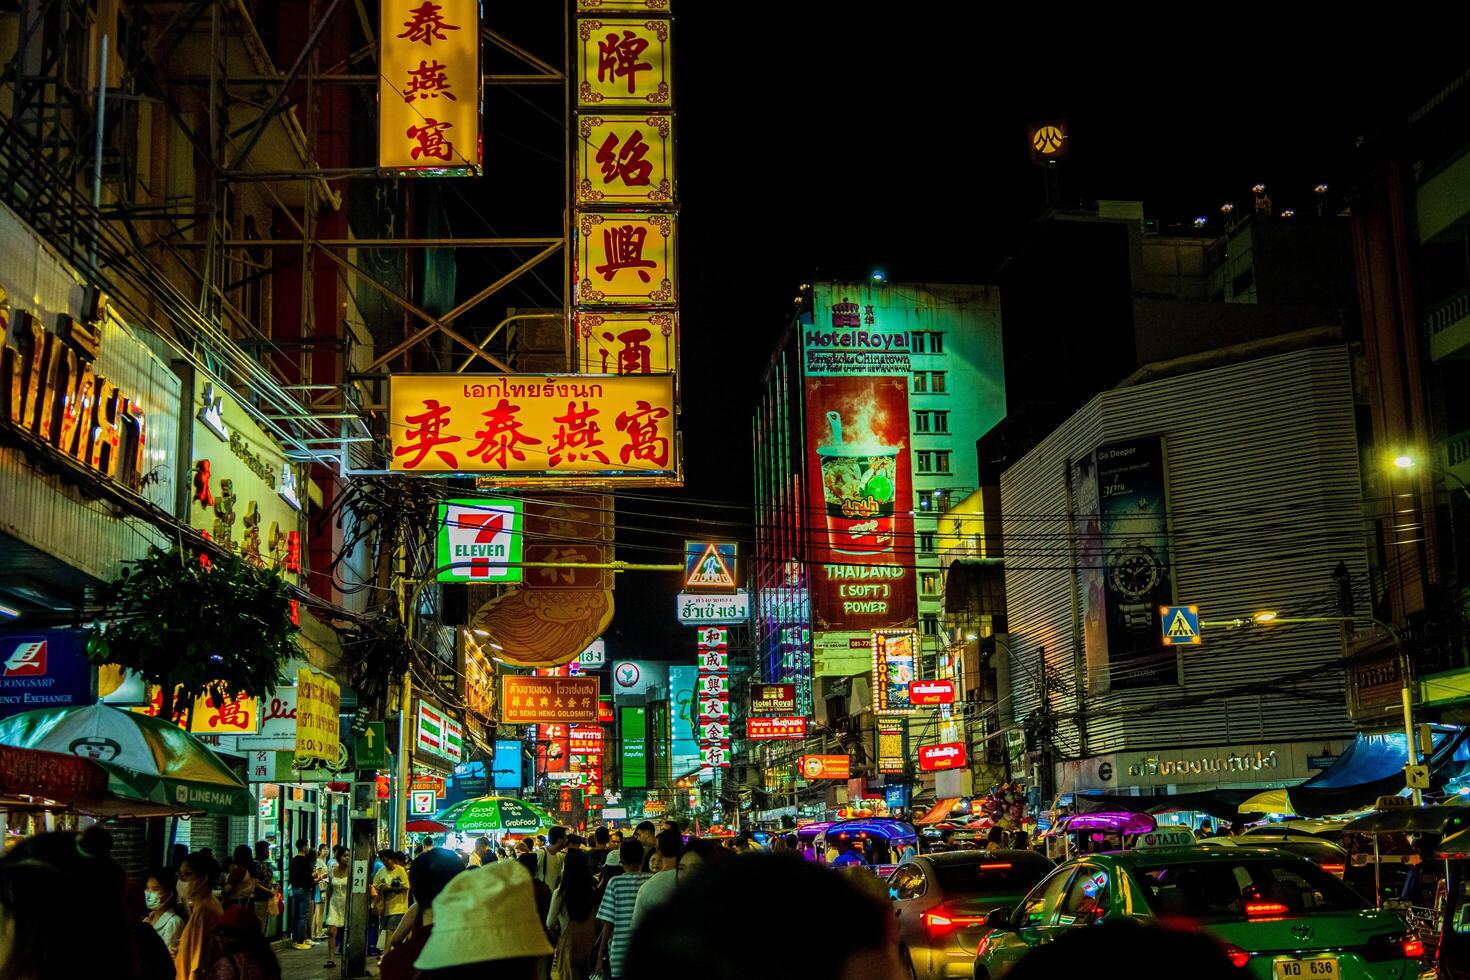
[(823, 146)]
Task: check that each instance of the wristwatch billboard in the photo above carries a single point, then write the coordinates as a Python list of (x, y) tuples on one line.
[(1133, 572)]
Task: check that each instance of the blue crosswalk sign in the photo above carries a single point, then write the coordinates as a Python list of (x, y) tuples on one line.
[(1180, 625)]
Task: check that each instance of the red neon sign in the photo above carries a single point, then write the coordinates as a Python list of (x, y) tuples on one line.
[(945, 755), (931, 692)]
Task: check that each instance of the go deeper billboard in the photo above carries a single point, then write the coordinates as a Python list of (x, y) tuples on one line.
[(856, 371)]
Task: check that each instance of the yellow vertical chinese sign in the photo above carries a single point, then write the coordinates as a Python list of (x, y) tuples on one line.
[(429, 86)]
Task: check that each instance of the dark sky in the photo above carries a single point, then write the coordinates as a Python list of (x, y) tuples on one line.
[(815, 145)]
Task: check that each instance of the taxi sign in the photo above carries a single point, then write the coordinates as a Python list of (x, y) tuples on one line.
[(1165, 837), (1180, 625)]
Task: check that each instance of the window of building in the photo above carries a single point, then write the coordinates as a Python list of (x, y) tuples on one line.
[(940, 420), (925, 461), (926, 542), (929, 583), (926, 502), (921, 421), (941, 461), (936, 381), (936, 342), (916, 342), (929, 624), (921, 382)]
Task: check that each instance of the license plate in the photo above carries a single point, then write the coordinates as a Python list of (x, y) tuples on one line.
[(1312, 968)]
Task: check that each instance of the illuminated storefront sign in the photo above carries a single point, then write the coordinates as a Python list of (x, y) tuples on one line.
[(892, 738), (636, 342), (946, 755), (624, 62), (931, 692), (824, 766), (894, 662), (557, 425), (318, 716), (698, 610), (765, 729), (535, 700), (625, 160), (482, 537), (626, 259), (438, 734), (713, 694), (632, 735), (429, 86), (772, 699), (709, 566)]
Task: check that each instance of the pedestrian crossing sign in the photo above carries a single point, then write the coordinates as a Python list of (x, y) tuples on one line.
[(1180, 625)]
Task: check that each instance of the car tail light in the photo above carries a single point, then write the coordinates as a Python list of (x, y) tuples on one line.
[(1265, 908), (1238, 957), (941, 920), (995, 867), (1413, 948), (1335, 869), (1393, 946)]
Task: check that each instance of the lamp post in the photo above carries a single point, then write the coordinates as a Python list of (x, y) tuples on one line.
[(1270, 618)]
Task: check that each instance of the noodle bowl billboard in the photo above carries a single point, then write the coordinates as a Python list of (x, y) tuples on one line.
[(860, 485)]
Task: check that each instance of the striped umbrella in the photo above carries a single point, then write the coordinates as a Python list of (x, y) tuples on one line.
[(495, 813), (146, 758)]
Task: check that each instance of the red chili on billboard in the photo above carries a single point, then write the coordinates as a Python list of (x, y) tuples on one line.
[(766, 729), (945, 755), (931, 692)]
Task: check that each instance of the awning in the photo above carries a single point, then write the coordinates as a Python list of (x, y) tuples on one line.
[(1442, 819), (1373, 766), (1268, 801), (938, 811)]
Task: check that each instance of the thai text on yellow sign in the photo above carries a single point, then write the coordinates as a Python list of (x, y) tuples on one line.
[(547, 425), (625, 159), (628, 343), (429, 85), (623, 62), (625, 259), (318, 711)]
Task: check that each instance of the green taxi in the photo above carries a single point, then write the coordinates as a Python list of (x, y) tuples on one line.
[(1276, 915)]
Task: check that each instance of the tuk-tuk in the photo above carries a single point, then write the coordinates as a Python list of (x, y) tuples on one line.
[(1453, 919), (880, 839), (1103, 830)]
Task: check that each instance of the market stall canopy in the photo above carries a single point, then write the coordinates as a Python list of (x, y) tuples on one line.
[(1269, 801), (1373, 766), (495, 813), (426, 827), (1442, 819), (146, 759), (938, 811)]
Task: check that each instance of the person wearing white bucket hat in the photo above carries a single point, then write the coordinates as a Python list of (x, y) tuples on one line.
[(486, 916)]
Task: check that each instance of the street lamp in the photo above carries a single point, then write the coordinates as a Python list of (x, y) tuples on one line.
[(1267, 618), (1409, 463)]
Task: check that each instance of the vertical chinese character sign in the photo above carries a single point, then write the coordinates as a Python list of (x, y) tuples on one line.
[(713, 692), (429, 86)]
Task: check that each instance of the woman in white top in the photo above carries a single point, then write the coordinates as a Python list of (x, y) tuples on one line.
[(318, 905), (162, 916), (339, 877)]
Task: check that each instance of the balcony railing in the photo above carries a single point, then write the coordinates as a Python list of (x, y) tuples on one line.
[(1441, 317)]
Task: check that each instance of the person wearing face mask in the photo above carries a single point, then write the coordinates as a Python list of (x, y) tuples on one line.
[(196, 878), (159, 896)]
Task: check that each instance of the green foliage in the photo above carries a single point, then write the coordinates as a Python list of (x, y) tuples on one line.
[(225, 629)]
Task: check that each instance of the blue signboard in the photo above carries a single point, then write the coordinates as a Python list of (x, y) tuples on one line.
[(895, 796), (505, 771), (1180, 625), (44, 669)]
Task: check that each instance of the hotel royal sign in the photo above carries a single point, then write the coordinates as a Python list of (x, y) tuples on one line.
[(429, 87)]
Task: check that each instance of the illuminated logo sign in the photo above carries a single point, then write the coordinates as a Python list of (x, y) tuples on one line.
[(945, 755), (424, 802), (824, 766), (709, 566), (1048, 141), (27, 660), (481, 539), (772, 699), (212, 412), (766, 729), (931, 692)]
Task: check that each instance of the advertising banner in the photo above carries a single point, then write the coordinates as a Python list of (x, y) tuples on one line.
[(633, 342), (766, 729), (438, 734), (842, 654), (824, 766), (44, 669), (713, 664), (699, 610), (895, 659), (945, 755), (594, 656), (537, 700), (624, 62), (625, 160), (1137, 580), (931, 692), (772, 699), (505, 770), (892, 745), (239, 715), (429, 86), (633, 741), (277, 731), (318, 716), (683, 719), (482, 537), (528, 425), (553, 751), (648, 679), (858, 455)]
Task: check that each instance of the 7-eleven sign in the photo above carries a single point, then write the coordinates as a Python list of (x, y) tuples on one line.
[(481, 538)]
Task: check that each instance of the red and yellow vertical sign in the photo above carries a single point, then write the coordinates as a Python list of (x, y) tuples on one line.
[(429, 86)]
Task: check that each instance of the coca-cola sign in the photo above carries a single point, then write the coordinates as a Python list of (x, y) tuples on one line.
[(945, 755), (277, 723), (931, 692)]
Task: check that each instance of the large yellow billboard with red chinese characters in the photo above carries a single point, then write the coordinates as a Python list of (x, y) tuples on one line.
[(546, 425), (624, 61), (625, 260), (626, 160), (429, 86)]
